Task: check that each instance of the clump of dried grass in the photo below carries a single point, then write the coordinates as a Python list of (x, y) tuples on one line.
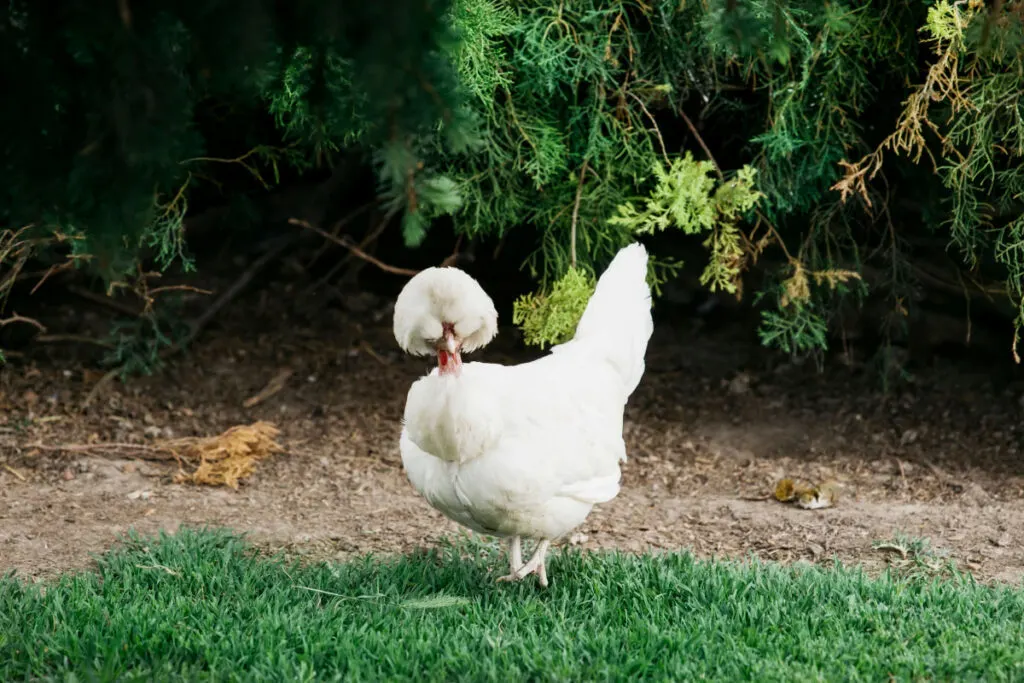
[(224, 459), (221, 460)]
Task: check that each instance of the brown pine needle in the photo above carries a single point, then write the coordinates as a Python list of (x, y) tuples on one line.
[(15, 472)]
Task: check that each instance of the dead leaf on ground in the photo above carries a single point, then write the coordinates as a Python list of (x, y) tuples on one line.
[(807, 496)]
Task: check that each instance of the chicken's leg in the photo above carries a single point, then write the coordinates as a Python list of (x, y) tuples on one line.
[(536, 565), (515, 553)]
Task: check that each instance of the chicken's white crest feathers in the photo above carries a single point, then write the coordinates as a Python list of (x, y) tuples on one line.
[(436, 296)]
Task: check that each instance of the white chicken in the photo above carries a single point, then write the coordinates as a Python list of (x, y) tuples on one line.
[(521, 451)]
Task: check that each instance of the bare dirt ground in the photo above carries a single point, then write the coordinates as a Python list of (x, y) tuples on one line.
[(714, 424)]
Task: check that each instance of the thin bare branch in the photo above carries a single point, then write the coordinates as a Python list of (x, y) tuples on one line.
[(72, 338), (703, 145), (352, 247), (182, 288), (107, 301), (15, 318), (657, 131), (453, 258), (576, 214)]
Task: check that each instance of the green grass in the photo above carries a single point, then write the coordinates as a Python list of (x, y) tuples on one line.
[(202, 605)]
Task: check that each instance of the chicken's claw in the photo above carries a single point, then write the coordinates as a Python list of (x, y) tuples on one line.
[(536, 565)]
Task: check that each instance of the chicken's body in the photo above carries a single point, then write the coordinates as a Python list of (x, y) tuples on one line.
[(528, 450)]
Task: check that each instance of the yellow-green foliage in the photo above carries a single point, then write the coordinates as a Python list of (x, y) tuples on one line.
[(681, 197), (549, 319), (685, 196)]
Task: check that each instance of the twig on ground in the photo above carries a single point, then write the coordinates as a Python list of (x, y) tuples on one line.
[(100, 383), (139, 450), (903, 472), (181, 288), (15, 472), (892, 547), (56, 268), (276, 384), (365, 346), (200, 323), (223, 459)]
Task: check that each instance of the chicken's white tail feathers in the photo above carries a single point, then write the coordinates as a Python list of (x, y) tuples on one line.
[(617, 321)]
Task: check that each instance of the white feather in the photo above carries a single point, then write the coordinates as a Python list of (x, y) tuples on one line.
[(527, 450)]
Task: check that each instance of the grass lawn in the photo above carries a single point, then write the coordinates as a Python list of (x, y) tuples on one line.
[(200, 605)]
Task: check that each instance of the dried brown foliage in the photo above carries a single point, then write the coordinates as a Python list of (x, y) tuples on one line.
[(221, 460), (224, 459)]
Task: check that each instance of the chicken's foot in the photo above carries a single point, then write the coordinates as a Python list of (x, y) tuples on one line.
[(536, 565)]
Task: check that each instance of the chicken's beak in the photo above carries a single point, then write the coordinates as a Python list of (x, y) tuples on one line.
[(450, 344)]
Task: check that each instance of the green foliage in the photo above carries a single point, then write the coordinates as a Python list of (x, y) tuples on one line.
[(203, 606), (685, 196), (967, 116), (588, 123), (166, 232), (136, 344), (105, 142), (546, 81), (589, 89), (122, 113), (548, 319), (434, 196), (800, 330), (681, 197)]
